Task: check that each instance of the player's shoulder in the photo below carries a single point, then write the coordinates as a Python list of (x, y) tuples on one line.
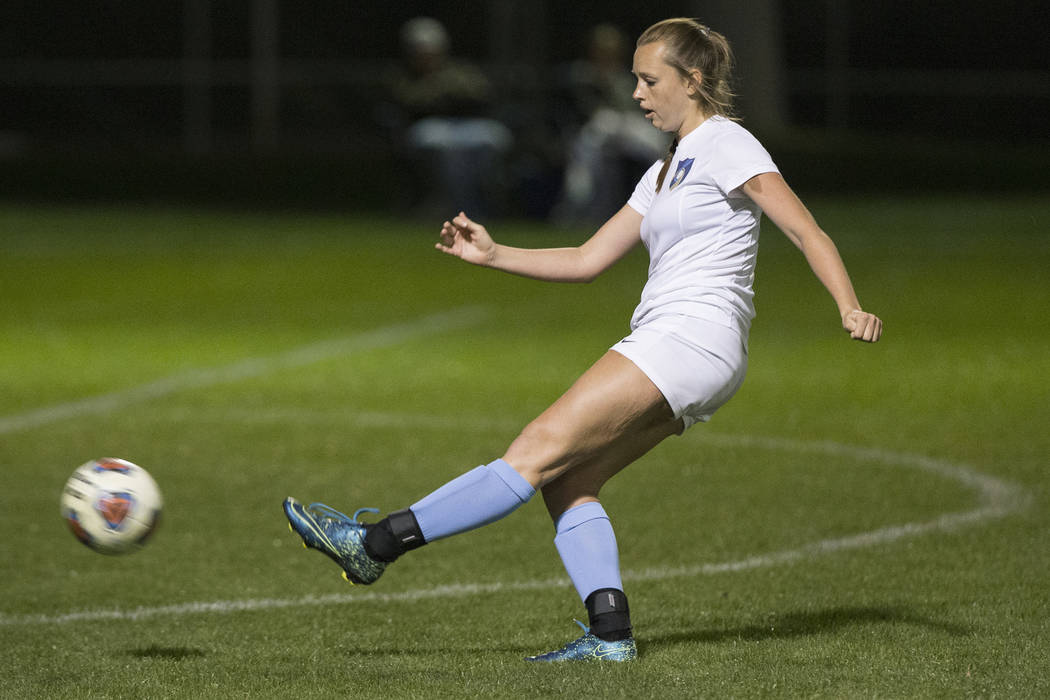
[(723, 129), (730, 140), (718, 133)]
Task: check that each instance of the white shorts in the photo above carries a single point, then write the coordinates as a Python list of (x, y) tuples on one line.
[(697, 365)]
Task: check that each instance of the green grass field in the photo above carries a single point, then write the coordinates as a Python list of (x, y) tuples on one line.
[(860, 521)]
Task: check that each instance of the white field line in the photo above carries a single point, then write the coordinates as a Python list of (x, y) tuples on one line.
[(342, 418), (996, 499), (246, 369)]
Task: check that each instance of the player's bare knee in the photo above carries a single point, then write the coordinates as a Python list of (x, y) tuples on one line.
[(540, 453)]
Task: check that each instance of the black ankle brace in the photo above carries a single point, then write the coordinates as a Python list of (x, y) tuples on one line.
[(406, 530), (609, 614), (392, 536)]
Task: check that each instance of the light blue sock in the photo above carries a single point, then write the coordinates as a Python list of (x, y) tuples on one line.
[(587, 546), (479, 497)]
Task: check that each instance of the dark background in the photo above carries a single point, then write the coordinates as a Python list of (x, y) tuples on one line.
[(99, 99)]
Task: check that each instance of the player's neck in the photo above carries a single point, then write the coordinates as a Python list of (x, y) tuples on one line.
[(690, 124)]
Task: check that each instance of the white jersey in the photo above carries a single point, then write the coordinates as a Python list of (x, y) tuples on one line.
[(701, 230)]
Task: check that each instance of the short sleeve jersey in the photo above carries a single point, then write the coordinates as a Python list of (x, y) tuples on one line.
[(701, 230)]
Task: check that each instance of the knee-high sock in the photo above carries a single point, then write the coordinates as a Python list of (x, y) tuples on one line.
[(587, 546), (479, 497)]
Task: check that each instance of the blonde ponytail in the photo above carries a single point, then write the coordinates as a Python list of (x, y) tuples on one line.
[(667, 164)]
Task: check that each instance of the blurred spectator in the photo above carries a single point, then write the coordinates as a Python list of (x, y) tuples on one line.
[(611, 141), (439, 115)]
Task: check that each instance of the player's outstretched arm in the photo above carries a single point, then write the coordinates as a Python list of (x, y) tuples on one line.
[(470, 241), (786, 210)]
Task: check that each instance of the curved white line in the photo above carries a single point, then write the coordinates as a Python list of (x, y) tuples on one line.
[(996, 499)]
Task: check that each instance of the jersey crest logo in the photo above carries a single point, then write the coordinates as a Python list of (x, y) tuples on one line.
[(683, 169)]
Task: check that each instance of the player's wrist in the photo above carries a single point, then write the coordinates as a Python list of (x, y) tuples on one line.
[(492, 256)]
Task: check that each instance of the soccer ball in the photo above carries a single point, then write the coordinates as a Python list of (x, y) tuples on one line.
[(111, 505)]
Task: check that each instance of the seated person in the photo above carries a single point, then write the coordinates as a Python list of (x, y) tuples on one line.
[(442, 105)]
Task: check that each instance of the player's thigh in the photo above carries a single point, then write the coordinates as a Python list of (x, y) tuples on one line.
[(613, 398)]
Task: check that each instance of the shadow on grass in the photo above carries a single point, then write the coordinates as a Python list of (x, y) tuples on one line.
[(803, 624), (154, 651), (406, 652), (777, 626)]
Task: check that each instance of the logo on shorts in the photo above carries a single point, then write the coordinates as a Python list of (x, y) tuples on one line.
[(683, 169)]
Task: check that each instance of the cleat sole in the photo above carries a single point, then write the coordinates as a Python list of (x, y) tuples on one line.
[(292, 530)]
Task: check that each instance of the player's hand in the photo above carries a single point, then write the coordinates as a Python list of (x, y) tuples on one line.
[(862, 326), (467, 240)]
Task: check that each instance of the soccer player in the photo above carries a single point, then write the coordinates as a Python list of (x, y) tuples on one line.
[(697, 212)]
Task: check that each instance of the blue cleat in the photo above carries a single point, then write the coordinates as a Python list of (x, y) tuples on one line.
[(340, 537), (591, 648)]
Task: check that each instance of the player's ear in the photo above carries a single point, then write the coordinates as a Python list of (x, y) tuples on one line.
[(693, 82)]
